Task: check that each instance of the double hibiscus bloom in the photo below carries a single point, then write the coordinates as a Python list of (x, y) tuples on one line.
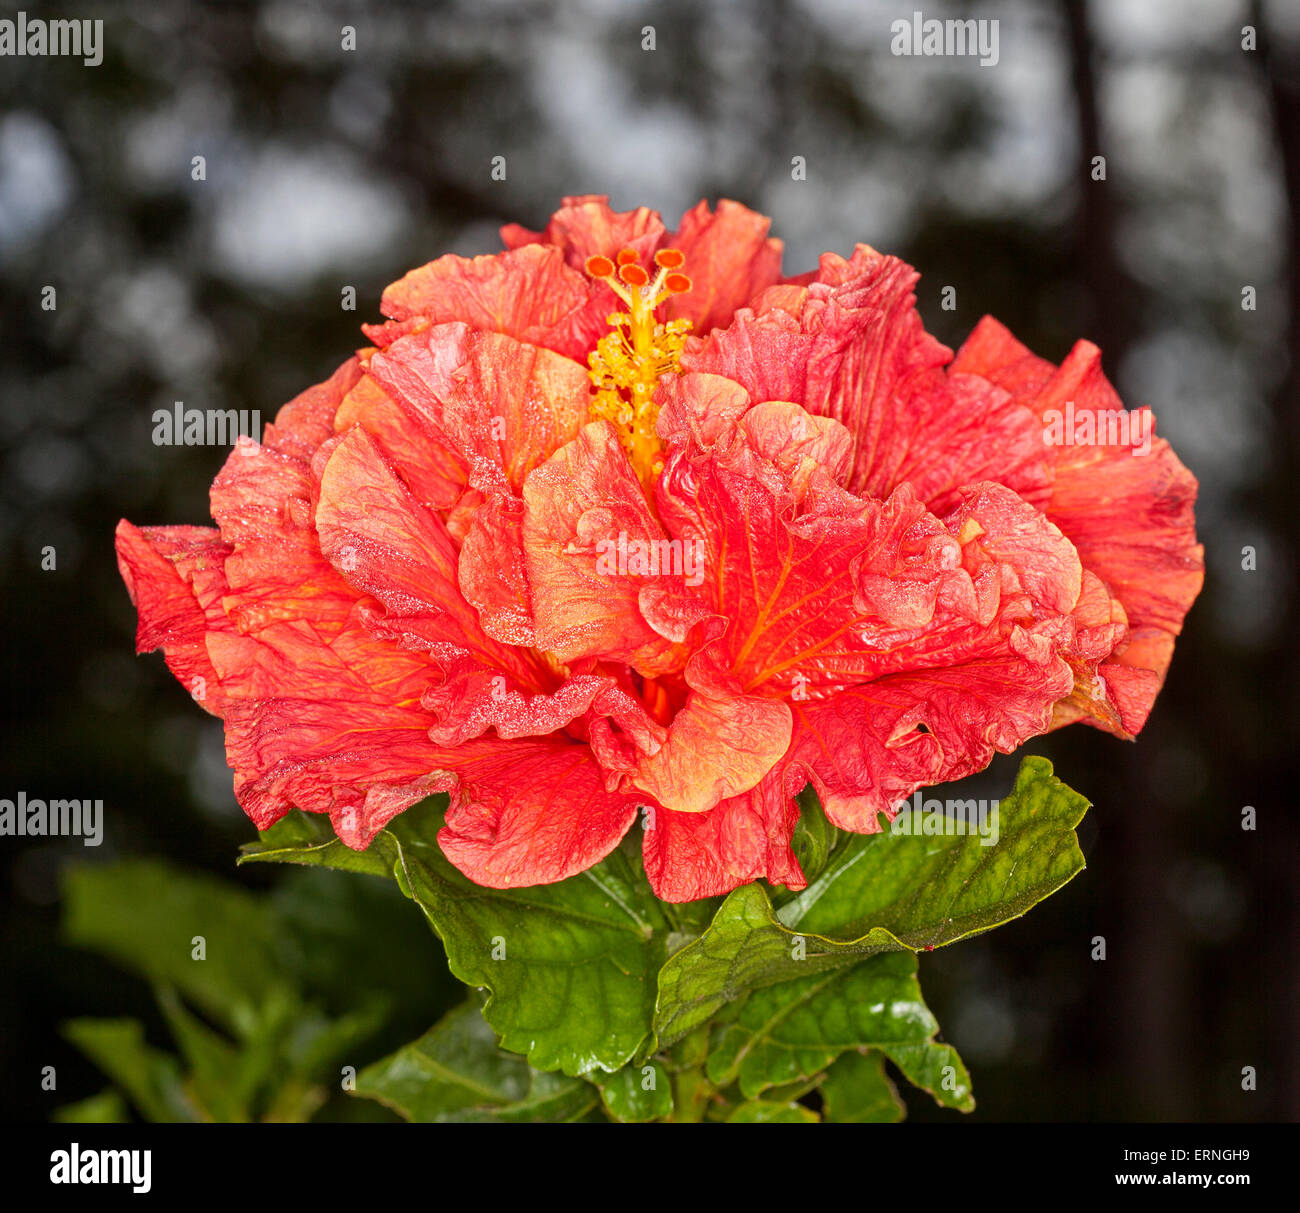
[(620, 524)]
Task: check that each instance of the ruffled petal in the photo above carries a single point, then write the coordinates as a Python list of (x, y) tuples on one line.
[(176, 579), (807, 578), (320, 713), (716, 748), (1016, 581), (332, 741), (530, 812), (585, 226), (852, 346), (1130, 515), (744, 838), (385, 544), (730, 258), (529, 294), (498, 405), (864, 750), (1114, 696), (595, 555)]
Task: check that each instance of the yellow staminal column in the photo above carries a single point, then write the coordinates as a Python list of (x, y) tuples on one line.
[(628, 361)]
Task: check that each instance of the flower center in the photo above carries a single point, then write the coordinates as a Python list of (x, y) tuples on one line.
[(628, 361)]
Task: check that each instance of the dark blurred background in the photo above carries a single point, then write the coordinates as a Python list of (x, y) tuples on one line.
[(328, 168)]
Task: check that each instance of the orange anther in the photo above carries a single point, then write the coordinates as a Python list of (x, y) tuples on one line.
[(677, 284), (627, 256), (600, 267), (670, 259), (633, 275)]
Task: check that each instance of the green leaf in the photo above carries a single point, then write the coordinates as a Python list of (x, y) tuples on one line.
[(791, 1032), (305, 838), (570, 966), (351, 943), (150, 1078), (927, 891), (879, 893), (213, 1062), (745, 947), (935, 1068), (814, 837), (456, 1073), (788, 1091), (638, 1093), (106, 1108), (856, 1090), (763, 1112), (145, 915)]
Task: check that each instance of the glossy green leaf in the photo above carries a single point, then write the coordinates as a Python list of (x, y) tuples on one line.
[(856, 1090), (638, 1093), (879, 893), (744, 948), (764, 1112), (792, 1031), (456, 1073), (571, 966), (931, 890), (935, 1068)]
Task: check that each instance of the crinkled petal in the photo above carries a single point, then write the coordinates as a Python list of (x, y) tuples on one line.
[(744, 838), (716, 748), (1017, 576), (328, 743), (591, 548), (386, 544), (531, 812), (730, 258), (176, 579), (499, 405), (852, 346), (585, 226), (529, 294), (1130, 515), (815, 586), (864, 750)]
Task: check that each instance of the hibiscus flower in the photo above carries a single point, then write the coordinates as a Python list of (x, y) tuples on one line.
[(621, 526)]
